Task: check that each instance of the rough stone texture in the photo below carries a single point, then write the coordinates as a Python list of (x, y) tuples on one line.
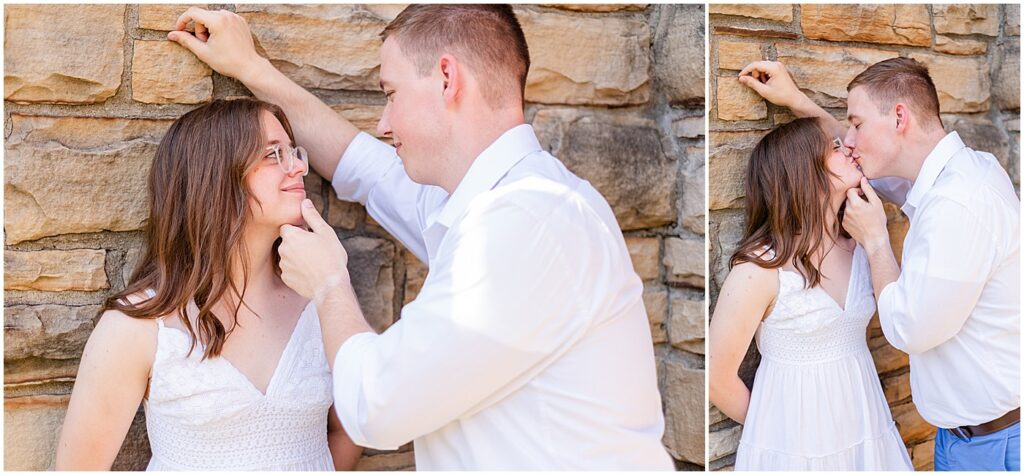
[(47, 331), (387, 462), (689, 127), (683, 391), (370, 262), (644, 252), (806, 64), (736, 55), (679, 55), (723, 442), (686, 325), (623, 159), (966, 19), (81, 65), (945, 44), (656, 303), (599, 7), (607, 63), (164, 72), (963, 83), (896, 388), (923, 455), (415, 275), (889, 24), (364, 117), (730, 152), (94, 178), (31, 425), (912, 427), (684, 261), (297, 39), (780, 12), (1012, 19), (738, 102), (1006, 83), (161, 17), (694, 205), (54, 271), (344, 214)]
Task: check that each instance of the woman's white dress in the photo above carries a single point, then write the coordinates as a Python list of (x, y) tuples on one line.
[(817, 403), (206, 415)]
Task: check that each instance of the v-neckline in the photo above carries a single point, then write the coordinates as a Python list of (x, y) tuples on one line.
[(277, 367), (849, 284)]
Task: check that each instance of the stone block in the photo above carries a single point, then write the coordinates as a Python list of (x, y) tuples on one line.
[(1006, 86), (689, 127), (59, 53), (963, 83), (621, 156), (164, 72), (807, 62), (415, 275), (645, 254), (31, 428), (730, 153), (295, 37), (781, 12), (686, 325), (966, 19), (47, 331), (161, 17), (684, 261), (887, 24), (910, 424), (656, 303), (683, 395), (364, 117), (735, 55), (981, 134), (898, 225), (599, 7), (54, 271), (679, 53), (923, 456), (606, 63), (724, 442), (961, 46), (387, 462), (77, 175), (896, 387), (738, 102), (344, 214), (1012, 19), (694, 205), (886, 357), (371, 265)]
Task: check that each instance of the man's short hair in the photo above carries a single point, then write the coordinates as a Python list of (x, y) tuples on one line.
[(901, 80), (487, 38)]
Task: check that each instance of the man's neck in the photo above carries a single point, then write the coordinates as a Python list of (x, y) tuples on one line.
[(473, 137), (917, 151)]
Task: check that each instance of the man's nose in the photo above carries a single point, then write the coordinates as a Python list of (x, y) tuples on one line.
[(384, 125)]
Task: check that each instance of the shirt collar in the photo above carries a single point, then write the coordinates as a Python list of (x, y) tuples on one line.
[(932, 166), (488, 168)]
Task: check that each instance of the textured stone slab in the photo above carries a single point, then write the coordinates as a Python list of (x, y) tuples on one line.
[(415, 275), (967, 19), (806, 64), (621, 156), (161, 17), (599, 7), (63, 53), (164, 72), (963, 83), (679, 53), (736, 55), (730, 153), (645, 254), (31, 428), (684, 261), (606, 63), (686, 324), (656, 304), (724, 442), (738, 102), (370, 263), (888, 24), (295, 37), (54, 271), (961, 46), (77, 175), (781, 12), (47, 331), (364, 117), (1006, 87), (683, 394), (694, 204)]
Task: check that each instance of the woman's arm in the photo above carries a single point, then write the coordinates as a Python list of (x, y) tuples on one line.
[(746, 295), (111, 382), (344, 452)]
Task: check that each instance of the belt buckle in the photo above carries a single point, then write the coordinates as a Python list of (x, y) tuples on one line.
[(962, 433)]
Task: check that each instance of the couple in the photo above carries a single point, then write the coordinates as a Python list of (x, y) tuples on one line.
[(528, 346), (815, 262)]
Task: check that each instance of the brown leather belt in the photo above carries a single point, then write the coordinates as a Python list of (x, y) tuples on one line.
[(1007, 420)]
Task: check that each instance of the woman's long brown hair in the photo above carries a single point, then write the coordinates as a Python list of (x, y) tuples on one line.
[(787, 202), (198, 209)]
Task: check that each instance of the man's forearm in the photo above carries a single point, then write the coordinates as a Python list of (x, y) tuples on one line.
[(884, 269), (340, 317), (322, 132)]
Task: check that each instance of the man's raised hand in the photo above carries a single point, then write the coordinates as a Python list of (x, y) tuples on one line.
[(222, 40)]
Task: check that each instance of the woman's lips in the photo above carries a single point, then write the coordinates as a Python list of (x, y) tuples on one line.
[(299, 188)]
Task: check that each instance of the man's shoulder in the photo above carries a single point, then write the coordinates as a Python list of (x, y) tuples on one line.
[(972, 178)]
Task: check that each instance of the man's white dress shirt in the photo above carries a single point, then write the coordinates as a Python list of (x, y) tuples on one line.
[(528, 346), (956, 305)]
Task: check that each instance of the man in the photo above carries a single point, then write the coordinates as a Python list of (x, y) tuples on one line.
[(955, 306), (528, 346)]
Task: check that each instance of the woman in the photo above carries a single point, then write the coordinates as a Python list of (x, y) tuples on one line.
[(802, 288), (227, 360)]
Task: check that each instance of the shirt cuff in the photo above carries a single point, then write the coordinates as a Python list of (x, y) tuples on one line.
[(365, 161), (348, 386)]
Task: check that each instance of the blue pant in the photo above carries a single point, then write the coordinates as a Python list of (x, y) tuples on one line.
[(996, 451)]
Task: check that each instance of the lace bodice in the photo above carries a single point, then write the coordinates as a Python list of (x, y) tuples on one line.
[(206, 415), (807, 325)]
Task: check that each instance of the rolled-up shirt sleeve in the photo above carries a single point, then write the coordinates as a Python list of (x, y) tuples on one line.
[(496, 310), (371, 173), (943, 275)]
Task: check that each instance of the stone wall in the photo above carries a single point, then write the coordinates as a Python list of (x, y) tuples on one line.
[(973, 53), (615, 91)]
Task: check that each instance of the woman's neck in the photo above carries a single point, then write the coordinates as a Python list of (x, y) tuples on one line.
[(259, 259)]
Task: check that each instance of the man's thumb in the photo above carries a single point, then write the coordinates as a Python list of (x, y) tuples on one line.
[(313, 219)]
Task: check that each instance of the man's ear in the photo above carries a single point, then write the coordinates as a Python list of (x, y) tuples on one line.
[(451, 74), (902, 117)]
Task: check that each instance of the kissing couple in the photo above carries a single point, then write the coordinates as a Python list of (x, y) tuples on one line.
[(815, 263), (528, 346)]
